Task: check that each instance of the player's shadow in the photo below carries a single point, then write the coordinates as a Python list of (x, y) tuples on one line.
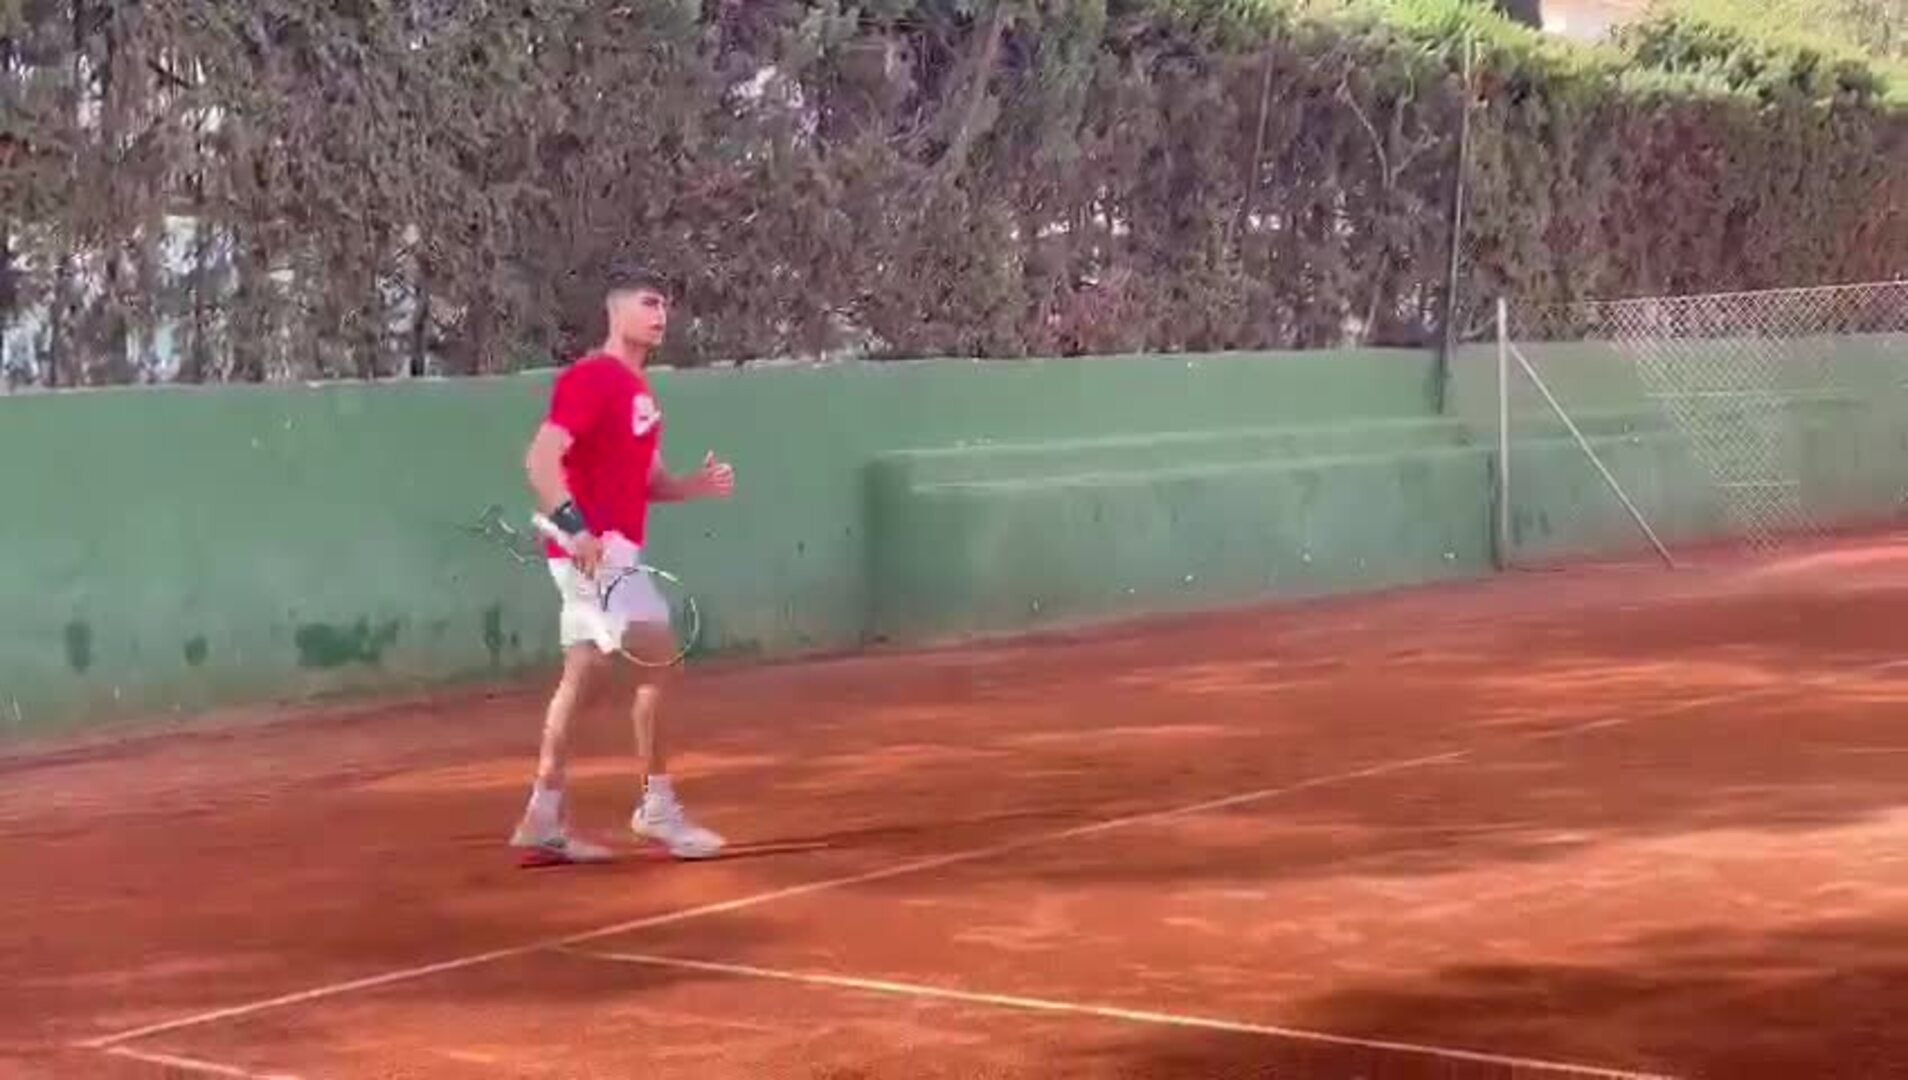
[(771, 849), (900, 837), (643, 857), (1820, 1000)]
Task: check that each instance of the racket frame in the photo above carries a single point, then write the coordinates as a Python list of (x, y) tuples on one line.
[(604, 631)]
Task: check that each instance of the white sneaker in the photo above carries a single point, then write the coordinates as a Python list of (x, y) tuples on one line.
[(553, 846), (662, 821)]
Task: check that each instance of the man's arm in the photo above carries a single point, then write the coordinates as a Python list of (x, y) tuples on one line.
[(543, 462), (715, 480), (665, 488), (576, 408)]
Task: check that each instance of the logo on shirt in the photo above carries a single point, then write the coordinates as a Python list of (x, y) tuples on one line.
[(644, 415)]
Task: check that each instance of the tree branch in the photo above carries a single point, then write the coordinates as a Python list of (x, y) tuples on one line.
[(1377, 142), (1258, 155), (946, 169)]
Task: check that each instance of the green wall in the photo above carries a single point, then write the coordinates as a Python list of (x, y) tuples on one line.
[(175, 548)]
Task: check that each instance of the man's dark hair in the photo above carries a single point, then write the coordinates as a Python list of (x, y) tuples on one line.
[(627, 276)]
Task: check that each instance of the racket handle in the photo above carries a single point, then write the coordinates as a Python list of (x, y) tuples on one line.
[(602, 629), (549, 529)]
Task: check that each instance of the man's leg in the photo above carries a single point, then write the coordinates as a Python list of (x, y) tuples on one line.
[(543, 830), (650, 751), (660, 816), (553, 755)]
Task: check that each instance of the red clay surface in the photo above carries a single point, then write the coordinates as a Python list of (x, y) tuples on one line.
[(1620, 821)]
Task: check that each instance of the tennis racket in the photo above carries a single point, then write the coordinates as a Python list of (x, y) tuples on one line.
[(598, 593), (685, 617)]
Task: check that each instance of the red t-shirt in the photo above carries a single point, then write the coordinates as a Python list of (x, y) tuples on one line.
[(616, 427)]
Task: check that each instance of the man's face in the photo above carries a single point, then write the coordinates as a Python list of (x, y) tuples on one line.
[(639, 318)]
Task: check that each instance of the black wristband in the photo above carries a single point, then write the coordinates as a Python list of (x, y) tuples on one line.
[(568, 518)]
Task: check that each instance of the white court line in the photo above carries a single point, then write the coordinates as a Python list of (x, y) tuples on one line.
[(193, 1065), (914, 866), (1676, 708), (920, 991)]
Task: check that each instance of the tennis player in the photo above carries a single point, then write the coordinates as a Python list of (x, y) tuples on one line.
[(595, 467)]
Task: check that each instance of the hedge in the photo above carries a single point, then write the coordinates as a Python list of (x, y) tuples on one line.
[(277, 189)]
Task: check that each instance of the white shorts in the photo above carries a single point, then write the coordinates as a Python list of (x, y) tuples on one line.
[(634, 601)]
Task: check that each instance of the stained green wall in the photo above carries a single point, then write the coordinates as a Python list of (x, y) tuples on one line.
[(172, 549), (176, 548)]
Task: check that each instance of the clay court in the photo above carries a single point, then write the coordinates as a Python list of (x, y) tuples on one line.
[(1613, 822)]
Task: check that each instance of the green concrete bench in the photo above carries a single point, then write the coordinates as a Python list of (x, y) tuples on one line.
[(1073, 535), (1153, 450)]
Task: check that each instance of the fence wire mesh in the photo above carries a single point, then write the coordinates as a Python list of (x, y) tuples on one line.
[(1787, 403)]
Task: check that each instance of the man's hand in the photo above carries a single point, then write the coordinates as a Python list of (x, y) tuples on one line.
[(586, 551), (715, 480)]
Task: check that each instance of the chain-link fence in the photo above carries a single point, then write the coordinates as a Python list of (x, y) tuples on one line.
[(1747, 418)]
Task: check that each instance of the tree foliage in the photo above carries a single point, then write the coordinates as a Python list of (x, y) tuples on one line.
[(278, 189), (1769, 67), (1874, 28)]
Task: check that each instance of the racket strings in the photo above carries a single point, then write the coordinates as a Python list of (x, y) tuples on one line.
[(684, 625), (599, 589)]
